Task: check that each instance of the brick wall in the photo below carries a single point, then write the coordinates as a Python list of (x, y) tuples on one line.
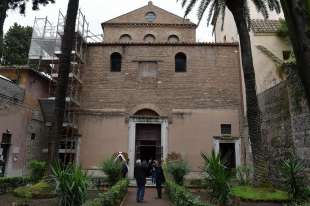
[(212, 79), (137, 33)]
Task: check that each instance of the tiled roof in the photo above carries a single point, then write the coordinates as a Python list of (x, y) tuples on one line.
[(265, 26)]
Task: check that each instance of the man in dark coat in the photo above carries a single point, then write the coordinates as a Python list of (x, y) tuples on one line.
[(140, 176), (159, 177)]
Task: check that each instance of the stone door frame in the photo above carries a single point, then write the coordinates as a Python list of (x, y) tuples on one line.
[(133, 121), (237, 142)]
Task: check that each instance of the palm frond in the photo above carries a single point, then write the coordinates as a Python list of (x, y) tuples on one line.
[(190, 7), (202, 9), (261, 7)]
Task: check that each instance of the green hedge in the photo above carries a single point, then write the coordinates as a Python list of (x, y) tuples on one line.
[(39, 190), (8, 184), (112, 197), (179, 196)]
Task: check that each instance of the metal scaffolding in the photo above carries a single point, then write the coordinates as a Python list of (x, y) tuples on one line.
[(44, 53)]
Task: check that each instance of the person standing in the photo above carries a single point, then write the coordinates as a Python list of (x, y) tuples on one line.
[(140, 176), (159, 178)]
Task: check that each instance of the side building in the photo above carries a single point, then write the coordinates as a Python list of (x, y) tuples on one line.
[(21, 124)]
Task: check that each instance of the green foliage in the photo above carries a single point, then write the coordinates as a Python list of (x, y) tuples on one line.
[(38, 169), (179, 196), (195, 183), (178, 169), (112, 169), (112, 197), (72, 184), (39, 190), (292, 172), (249, 193), (9, 183), (243, 174), (216, 177), (283, 31), (16, 45)]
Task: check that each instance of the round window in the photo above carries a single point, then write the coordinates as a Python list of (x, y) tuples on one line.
[(150, 16)]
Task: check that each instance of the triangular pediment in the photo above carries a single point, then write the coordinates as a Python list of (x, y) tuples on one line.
[(145, 15)]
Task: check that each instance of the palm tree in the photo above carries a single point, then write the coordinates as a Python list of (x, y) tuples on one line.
[(63, 78), (240, 12), (297, 15)]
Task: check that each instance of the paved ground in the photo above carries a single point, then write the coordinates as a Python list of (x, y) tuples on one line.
[(149, 198)]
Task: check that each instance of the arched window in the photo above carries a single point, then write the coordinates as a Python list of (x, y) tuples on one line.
[(116, 62), (146, 112), (125, 38), (149, 38), (180, 62), (173, 38)]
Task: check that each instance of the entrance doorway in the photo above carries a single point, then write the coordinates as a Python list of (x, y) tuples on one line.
[(148, 142), (228, 155)]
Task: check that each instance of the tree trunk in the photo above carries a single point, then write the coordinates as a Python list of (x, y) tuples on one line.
[(63, 77), (3, 8), (298, 21), (253, 111)]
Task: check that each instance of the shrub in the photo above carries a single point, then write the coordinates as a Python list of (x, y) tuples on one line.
[(112, 197), (112, 169), (39, 190), (38, 169), (243, 175), (173, 156), (178, 169), (179, 196), (292, 172), (71, 183), (216, 177), (9, 183)]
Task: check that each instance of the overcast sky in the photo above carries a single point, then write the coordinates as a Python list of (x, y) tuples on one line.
[(101, 10)]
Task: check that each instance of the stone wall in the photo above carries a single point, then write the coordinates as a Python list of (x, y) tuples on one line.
[(285, 127)]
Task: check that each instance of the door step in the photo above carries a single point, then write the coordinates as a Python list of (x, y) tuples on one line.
[(132, 183)]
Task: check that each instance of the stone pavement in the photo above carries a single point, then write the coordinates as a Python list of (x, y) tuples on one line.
[(149, 198)]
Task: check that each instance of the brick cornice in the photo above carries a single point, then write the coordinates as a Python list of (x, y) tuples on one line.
[(185, 25), (162, 44)]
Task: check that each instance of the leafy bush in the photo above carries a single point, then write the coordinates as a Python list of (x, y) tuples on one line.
[(179, 196), (112, 169), (243, 174), (72, 184), (249, 193), (38, 169), (39, 190), (173, 156), (9, 183), (112, 197), (292, 172), (216, 177), (178, 169)]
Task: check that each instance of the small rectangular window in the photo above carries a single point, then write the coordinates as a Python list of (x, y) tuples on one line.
[(226, 129), (33, 136), (286, 54), (6, 138)]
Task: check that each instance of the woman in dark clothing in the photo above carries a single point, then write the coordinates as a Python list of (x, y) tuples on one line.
[(159, 178)]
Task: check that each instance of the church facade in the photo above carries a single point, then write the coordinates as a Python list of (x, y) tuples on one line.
[(149, 89)]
